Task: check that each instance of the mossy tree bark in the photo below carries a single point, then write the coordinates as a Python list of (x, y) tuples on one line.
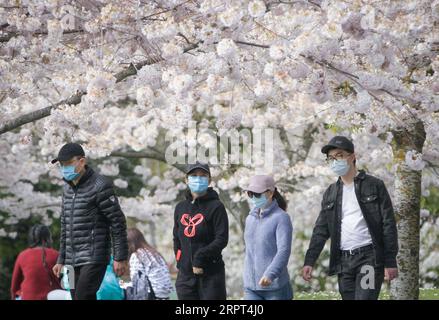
[(407, 209)]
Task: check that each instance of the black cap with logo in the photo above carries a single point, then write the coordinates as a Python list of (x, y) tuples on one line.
[(68, 151), (339, 142)]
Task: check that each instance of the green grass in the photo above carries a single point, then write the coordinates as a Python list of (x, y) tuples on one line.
[(424, 294), (429, 294), (320, 295)]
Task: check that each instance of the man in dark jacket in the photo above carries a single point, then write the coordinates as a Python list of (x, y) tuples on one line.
[(90, 212), (357, 215), (201, 232)]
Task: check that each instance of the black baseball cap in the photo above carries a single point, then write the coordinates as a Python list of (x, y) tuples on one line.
[(197, 165), (68, 151), (339, 142)]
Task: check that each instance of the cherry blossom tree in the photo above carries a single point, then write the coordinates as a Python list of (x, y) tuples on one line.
[(121, 76)]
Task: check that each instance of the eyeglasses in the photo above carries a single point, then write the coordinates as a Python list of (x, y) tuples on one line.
[(252, 194), (337, 156)]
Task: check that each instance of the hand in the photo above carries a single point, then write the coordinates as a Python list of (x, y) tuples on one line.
[(197, 270), (120, 267), (265, 282), (307, 273), (57, 268), (390, 273)]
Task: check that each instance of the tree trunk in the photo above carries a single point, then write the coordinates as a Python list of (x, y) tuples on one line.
[(407, 209)]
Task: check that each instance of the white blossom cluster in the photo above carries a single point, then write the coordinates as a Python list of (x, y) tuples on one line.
[(143, 69)]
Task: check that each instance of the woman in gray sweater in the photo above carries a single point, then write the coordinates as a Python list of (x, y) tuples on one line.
[(268, 235)]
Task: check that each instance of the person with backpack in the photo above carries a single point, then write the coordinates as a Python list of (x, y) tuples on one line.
[(32, 278), (149, 271), (268, 236), (201, 232)]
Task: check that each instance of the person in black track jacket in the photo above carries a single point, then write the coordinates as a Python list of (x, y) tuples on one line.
[(201, 232), (90, 214)]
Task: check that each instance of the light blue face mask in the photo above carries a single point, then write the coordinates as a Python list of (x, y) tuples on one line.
[(198, 184), (340, 167), (68, 173), (259, 202)]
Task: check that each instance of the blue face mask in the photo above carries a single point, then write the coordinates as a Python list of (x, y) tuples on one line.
[(259, 202), (198, 184), (340, 167), (68, 173)]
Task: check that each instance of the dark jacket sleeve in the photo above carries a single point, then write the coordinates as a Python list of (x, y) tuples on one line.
[(319, 237), (177, 244), (109, 206), (390, 234), (62, 241), (221, 237)]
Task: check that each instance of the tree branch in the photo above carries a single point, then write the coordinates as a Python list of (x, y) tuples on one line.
[(355, 78), (38, 114), (298, 2), (148, 154), (75, 99), (253, 44), (9, 35)]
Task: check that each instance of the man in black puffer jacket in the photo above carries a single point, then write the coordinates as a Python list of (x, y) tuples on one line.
[(90, 212)]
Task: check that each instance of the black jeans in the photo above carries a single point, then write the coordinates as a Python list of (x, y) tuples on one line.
[(209, 286), (88, 279), (360, 279)]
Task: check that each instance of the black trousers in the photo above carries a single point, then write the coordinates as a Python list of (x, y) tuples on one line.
[(208, 286), (88, 279), (360, 279)]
